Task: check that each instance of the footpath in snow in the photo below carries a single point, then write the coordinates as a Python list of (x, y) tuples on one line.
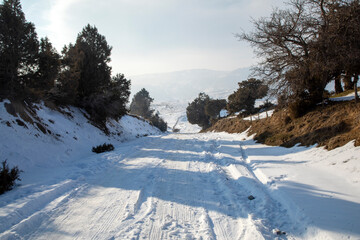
[(191, 186)]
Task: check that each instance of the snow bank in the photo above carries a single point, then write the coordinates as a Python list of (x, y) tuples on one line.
[(70, 136), (261, 115), (319, 187)]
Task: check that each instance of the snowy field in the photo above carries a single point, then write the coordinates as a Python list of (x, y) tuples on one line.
[(173, 186), (174, 113)]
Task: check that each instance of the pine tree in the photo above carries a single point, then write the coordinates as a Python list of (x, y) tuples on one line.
[(49, 66), (158, 122), (117, 96), (244, 98), (140, 104), (18, 48), (84, 67), (195, 111), (69, 76), (213, 108), (94, 61)]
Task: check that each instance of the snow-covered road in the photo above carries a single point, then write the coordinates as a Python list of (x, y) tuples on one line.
[(176, 186)]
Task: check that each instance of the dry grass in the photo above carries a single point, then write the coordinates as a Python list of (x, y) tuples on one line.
[(331, 126), (230, 125), (345, 93)]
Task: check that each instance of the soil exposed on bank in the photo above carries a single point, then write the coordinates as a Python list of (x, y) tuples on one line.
[(332, 125)]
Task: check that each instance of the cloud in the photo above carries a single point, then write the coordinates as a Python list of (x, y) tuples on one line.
[(159, 35)]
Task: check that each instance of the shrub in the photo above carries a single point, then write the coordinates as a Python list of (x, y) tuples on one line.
[(195, 111), (158, 122), (103, 148), (140, 104), (245, 96), (299, 108), (287, 120), (8, 177), (213, 108)]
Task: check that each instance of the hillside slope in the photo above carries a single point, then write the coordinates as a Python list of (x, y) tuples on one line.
[(177, 83), (332, 125), (35, 135)]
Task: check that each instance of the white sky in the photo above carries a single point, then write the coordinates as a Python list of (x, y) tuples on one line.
[(152, 36)]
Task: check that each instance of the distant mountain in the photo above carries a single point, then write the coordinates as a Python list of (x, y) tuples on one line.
[(185, 85)]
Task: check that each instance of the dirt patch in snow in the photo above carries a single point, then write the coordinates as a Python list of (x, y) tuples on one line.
[(25, 112), (332, 126)]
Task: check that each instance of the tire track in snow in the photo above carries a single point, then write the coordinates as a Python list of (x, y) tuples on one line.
[(36, 202), (47, 204), (264, 213), (271, 210), (234, 215), (44, 206), (143, 204), (164, 188), (171, 220)]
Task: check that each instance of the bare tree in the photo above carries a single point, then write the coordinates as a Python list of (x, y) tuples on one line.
[(282, 42), (306, 45)]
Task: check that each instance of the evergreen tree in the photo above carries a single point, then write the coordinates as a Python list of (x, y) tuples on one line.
[(244, 98), (18, 48), (158, 122), (213, 108), (120, 86), (85, 69), (95, 58), (140, 104), (117, 92), (69, 76), (195, 111), (49, 66)]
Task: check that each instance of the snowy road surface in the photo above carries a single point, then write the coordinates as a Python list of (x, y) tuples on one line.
[(177, 186)]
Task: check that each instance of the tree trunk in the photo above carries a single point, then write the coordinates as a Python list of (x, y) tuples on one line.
[(348, 84), (338, 87)]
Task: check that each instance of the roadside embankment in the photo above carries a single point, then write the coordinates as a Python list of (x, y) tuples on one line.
[(331, 125)]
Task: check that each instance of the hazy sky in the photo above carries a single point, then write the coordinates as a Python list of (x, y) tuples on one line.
[(152, 36)]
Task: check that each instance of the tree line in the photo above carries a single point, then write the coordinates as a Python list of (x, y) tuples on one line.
[(80, 75), (205, 111)]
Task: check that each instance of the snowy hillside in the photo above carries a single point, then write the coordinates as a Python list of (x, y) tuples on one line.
[(69, 136), (180, 85), (174, 112)]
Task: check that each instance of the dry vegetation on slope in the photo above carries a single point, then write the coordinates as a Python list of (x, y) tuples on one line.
[(332, 126)]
